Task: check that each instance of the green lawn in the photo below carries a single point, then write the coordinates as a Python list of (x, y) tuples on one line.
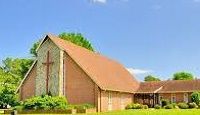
[(154, 112)]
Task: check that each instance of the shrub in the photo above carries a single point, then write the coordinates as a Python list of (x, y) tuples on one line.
[(145, 107), (183, 106), (195, 96), (157, 106), (164, 102), (45, 102), (169, 106), (137, 106), (174, 105), (134, 106), (129, 106), (192, 105), (84, 106)]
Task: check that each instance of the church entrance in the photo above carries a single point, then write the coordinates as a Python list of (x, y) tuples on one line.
[(150, 99)]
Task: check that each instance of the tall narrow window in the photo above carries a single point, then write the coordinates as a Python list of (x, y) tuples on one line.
[(185, 97), (173, 98), (122, 101), (160, 99), (63, 77), (109, 100)]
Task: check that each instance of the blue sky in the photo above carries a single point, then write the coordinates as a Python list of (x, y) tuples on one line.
[(156, 37)]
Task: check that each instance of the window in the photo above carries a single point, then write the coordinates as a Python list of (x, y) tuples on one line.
[(122, 101), (160, 99), (173, 98), (109, 101), (185, 97), (109, 98), (63, 80)]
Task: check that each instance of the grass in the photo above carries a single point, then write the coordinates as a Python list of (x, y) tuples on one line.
[(153, 112)]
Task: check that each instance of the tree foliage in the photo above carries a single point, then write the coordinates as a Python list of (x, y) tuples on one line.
[(151, 78), (8, 84), (195, 96), (183, 76), (17, 66), (33, 51), (76, 38)]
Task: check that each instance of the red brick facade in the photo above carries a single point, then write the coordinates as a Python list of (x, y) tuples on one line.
[(27, 89)]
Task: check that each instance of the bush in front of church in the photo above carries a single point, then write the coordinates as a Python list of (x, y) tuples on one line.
[(45, 103)]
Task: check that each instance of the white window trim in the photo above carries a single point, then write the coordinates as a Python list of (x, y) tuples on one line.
[(185, 97), (160, 99), (109, 100), (173, 98), (122, 101), (64, 78)]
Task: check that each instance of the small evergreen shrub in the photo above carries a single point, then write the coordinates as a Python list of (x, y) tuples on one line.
[(169, 106), (164, 102), (45, 103), (183, 106), (157, 106), (192, 105), (145, 107)]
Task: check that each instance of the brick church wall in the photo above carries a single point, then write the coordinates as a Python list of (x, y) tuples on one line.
[(79, 88), (179, 96), (119, 100), (27, 89)]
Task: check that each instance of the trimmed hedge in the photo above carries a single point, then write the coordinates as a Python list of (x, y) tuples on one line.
[(135, 106), (183, 106), (157, 106), (169, 106), (192, 105), (145, 107)]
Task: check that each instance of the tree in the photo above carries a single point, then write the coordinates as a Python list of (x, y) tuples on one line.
[(151, 78), (8, 84), (183, 76), (33, 51), (76, 38), (17, 67)]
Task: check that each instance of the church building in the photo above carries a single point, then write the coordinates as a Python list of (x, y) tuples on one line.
[(82, 76)]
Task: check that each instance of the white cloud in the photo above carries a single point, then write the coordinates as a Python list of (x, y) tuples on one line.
[(100, 1), (138, 71)]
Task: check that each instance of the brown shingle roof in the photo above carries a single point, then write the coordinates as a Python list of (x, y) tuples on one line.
[(106, 73), (150, 87), (169, 86), (181, 86)]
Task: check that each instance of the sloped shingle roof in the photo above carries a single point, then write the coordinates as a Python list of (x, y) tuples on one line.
[(169, 86), (106, 73)]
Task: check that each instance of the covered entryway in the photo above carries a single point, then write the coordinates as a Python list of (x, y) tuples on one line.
[(150, 99)]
